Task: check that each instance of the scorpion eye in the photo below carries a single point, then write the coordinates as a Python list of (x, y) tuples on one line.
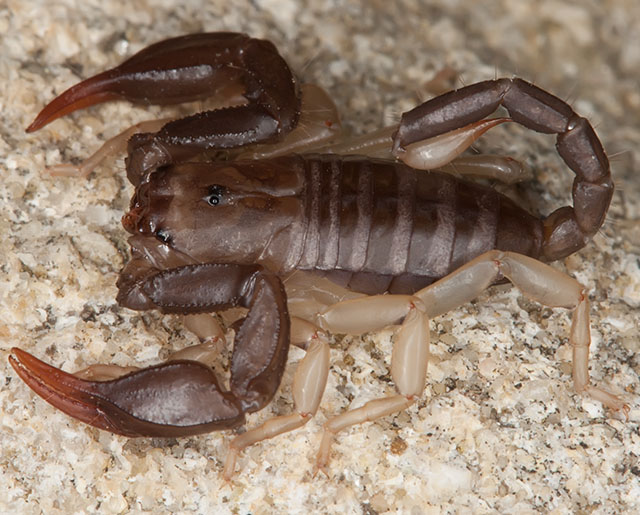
[(163, 236), (214, 195)]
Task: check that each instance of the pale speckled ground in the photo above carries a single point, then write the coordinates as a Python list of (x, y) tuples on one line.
[(499, 429)]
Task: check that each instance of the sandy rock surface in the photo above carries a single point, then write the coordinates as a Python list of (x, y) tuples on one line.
[(499, 429)]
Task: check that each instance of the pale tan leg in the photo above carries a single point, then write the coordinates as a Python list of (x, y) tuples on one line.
[(373, 144), (441, 153), (409, 362), (205, 353), (205, 326), (309, 383), (482, 166), (116, 145), (535, 280), (302, 332), (102, 372), (308, 294), (357, 315), (371, 411)]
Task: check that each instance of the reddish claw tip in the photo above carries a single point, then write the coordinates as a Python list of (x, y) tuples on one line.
[(64, 391), (87, 93)]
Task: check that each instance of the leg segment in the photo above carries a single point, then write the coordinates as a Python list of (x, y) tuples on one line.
[(113, 146), (536, 280), (308, 386), (409, 362), (540, 283), (482, 166), (183, 397), (343, 311)]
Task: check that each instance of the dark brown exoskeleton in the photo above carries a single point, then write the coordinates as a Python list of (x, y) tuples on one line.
[(212, 235)]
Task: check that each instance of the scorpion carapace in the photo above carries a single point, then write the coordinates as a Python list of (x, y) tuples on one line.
[(209, 235)]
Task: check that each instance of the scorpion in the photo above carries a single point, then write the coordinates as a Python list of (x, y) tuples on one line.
[(261, 205)]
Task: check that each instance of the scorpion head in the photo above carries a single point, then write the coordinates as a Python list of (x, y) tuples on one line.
[(217, 212)]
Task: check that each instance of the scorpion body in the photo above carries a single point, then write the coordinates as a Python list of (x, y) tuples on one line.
[(372, 226), (210, 235)]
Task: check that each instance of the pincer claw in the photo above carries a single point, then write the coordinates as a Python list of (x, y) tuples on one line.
[(227, 66), (172, 399)]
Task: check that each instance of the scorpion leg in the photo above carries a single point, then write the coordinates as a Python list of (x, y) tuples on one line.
[(208, 329), (539, 282), (309, 383), (567, 229), (180, 398), (102, 372), (113, 146), (483, 166), (205, 326), (536, 280), (409, 359)]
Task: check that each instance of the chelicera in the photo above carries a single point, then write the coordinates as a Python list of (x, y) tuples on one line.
[(312, 233)]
